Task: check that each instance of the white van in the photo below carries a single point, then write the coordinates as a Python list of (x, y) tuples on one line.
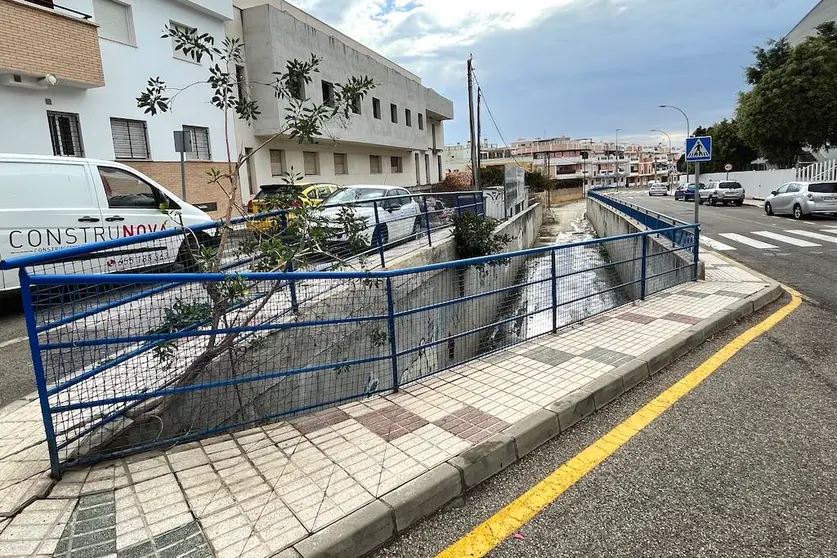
[(47, 203)]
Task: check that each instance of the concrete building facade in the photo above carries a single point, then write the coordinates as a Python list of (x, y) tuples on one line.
[(823, 11), (395, 138), (70, 76)]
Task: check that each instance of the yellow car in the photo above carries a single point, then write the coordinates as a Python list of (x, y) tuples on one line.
[(307, 194)]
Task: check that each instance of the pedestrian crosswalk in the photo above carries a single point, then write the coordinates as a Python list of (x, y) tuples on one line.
[(757, 239)]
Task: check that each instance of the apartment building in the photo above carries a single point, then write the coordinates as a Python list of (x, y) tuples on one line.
[(395, 137), (592, 163), (70, 73), (458, 157)]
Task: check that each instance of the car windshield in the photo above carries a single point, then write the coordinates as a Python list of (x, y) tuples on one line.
[(284, 190), (729, 185), (823, 188), (348, 195)]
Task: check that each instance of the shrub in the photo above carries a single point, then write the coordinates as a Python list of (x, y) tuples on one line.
[(474, 236), (536, 181), (492, 176)]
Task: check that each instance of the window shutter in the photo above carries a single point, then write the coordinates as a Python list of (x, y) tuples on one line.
[(130, 139), (113, 20)]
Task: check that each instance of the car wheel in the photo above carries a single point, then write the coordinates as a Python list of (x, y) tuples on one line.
[(768, 209), (739, 203), (797, 212), (711, 201), (418, 228)]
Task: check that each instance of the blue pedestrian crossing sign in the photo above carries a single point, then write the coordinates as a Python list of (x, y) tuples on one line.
[(699, 149)]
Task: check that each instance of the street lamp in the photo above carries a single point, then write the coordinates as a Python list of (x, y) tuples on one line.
[(669, 153), (697, 186)]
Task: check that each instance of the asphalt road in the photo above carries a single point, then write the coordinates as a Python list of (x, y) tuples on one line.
[(812, 270), (16, 376), (742, 466)]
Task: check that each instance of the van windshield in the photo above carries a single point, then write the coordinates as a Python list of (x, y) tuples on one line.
[(823, 188)]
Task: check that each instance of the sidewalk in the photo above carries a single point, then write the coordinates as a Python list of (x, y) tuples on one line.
[(350, 477)]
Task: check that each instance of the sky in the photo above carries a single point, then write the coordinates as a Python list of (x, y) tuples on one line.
[(581, 68)]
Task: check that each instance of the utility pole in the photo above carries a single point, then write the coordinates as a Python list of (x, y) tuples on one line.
[(477, 181), (474, 151)]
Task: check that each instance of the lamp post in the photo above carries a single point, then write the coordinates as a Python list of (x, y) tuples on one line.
[(697, 165), (669, 153)]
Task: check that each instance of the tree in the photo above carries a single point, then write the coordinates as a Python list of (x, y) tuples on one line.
[(792, 105), (727, 147), (276, 245), (492, 176)]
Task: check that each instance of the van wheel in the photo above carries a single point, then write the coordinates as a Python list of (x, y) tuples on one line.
[(188, 256), (797, 212)]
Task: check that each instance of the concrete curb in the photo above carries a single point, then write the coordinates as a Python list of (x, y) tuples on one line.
[(381, 520)]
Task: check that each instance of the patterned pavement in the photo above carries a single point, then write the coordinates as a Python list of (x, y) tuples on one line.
[(259, 491)]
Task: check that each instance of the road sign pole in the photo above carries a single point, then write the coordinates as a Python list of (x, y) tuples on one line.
[(697, 192)]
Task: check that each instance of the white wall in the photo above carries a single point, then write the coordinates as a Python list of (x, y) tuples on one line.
[(757, 184), (126, 68), (273, 36)]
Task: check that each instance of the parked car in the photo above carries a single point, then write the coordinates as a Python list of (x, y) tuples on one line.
[(657, 188), (56, 202), (283, 196), (802, 198), (686, 192), (399, 216), (724, 192)]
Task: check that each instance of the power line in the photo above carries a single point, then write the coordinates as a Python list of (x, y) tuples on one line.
[(496, 127)]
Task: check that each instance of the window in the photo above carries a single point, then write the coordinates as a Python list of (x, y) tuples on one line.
[(241, 82), (793, 188), (395, 165), (340, 164), (783, 189), (297, 88), (323, 192), (439, 166), (408, 118), (65, 132), (823, 188), (421, 121), (311, 162), (200, 143), (130, 139), (356, 105), (179, 53), (124, 189), (114, 19), (393, 113), (328, 94), (376, 108), (277, 162), (375, 164), (426, 167)]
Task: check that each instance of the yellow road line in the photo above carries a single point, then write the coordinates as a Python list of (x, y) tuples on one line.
[(486, 536)]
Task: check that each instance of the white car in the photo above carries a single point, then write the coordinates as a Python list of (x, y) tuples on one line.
[(657, 188), (57, 202), (399, 215)]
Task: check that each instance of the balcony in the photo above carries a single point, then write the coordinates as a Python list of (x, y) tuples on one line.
[(37, 41)]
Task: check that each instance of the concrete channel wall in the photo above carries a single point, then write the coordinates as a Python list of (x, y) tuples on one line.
[(610, 222), (315, 346)]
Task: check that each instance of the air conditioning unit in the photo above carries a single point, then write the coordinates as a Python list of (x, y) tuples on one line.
[(26, 82)]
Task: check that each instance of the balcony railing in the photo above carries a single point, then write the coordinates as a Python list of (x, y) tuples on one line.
[(44, 39)]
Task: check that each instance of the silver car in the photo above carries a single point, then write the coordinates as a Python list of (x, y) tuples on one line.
[(723, 192), (802, 198)]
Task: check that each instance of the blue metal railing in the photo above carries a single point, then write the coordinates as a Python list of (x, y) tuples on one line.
[(321, 338)]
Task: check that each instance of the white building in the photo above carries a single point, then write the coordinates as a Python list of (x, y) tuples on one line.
[(823, 11), (396, 138), (70, 76)]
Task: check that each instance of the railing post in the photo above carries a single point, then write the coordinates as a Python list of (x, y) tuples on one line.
[(379, 234), (40, 377), (644, 270), (427, 221), (476, 210), (393, 346), (697, 246), (554, 293), (458, 206), (283, 221)]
